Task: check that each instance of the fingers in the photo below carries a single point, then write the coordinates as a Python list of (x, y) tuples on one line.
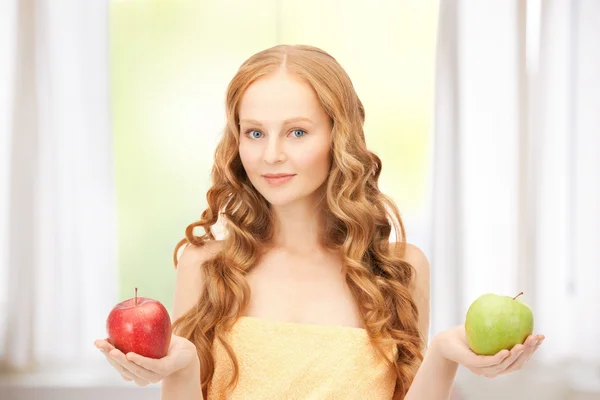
[(128, 369), (160, 367), (531, 346), (105, 347), (141, 376), (518, 356), (489, 361), (126, 375), (515, 354)]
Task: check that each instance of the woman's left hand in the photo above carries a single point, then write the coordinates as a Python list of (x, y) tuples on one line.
[(454, 346)]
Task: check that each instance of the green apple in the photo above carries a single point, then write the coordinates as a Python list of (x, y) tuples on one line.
[(495, 322)]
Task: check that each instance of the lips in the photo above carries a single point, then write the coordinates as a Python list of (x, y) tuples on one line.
[(277, 175), (278, 179)]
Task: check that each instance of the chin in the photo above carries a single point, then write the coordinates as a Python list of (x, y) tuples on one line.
[(281, 199)]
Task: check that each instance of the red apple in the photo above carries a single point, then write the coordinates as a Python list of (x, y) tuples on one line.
[(140, 325)]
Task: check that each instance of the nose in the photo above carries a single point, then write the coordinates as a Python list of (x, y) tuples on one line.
[(274, 152)]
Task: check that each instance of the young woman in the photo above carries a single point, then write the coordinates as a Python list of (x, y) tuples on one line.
[(306, 297)]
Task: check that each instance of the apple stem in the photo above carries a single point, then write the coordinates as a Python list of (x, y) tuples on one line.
[(136, 297), (514, 298)]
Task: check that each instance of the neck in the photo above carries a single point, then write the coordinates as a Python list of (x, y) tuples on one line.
[(298, 227)]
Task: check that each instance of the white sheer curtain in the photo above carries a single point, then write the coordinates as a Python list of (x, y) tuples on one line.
[(516, 196), (566, 121), (57, 214)]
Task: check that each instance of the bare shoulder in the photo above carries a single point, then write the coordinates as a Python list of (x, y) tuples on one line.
[(421, 285), (189, 278), (192, 255), (417, 258)]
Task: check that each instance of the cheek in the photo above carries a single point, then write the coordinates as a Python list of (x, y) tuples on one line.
[(316, 162), (246, 157)]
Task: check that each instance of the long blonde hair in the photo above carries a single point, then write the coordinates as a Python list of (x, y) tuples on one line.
[(359, 220)]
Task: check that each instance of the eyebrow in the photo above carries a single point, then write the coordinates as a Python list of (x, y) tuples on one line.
[(287, 121)]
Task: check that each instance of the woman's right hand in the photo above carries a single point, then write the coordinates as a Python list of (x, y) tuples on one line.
[(453, 346), (143, 370)]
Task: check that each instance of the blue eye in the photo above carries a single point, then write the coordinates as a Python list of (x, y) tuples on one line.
[(299, 130), (250, 133), (254, 134)]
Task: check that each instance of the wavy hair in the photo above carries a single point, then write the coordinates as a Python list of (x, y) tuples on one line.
[(358, 223)]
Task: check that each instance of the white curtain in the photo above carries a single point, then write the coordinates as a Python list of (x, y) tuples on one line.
[(516, 197), (57, 213)]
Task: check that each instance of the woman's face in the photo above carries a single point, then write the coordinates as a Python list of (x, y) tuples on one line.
[(284, 130)]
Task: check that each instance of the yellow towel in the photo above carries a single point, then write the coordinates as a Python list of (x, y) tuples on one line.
[(285, 360)]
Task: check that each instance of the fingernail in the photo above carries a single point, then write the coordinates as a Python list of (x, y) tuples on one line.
[(102, 350), (535, 342)]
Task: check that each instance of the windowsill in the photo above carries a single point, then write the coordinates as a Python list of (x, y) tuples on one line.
[(561, 380), (584, 377), (572, 377), (96, 374)]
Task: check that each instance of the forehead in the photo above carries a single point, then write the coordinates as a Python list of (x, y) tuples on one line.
[(278, 97)]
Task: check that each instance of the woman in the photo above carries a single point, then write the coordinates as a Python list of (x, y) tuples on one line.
[(305, 297)]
